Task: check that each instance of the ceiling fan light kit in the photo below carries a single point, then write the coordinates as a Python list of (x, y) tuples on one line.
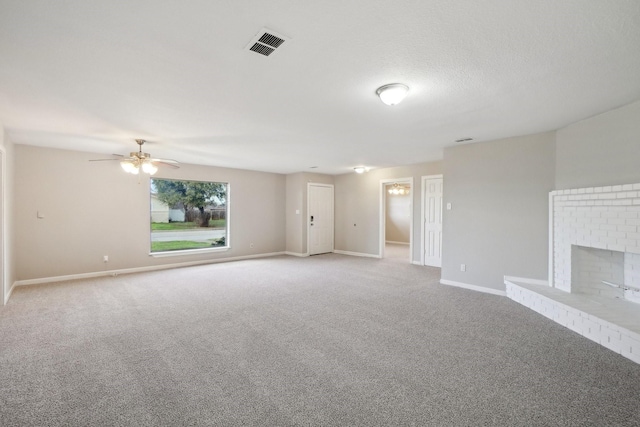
[(138, 160)]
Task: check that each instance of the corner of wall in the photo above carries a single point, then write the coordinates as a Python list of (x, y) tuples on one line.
[(8, 215), (498, 224)]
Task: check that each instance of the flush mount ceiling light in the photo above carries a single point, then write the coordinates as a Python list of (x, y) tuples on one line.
[(361, 169), (393, 93)]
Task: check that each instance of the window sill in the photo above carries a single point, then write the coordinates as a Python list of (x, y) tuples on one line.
[(188, 252)]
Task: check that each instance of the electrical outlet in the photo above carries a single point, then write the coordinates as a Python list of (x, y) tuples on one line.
[(463, 267), (105, 258)]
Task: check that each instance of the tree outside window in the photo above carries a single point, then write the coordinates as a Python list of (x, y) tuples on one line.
[(187, 215)]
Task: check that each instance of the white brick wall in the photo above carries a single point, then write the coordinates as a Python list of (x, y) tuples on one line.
[(605, 218)]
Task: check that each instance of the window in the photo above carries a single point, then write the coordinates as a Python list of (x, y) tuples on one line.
[(188, 215)]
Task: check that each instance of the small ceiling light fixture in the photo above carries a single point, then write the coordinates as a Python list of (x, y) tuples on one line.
[(393, 93), (361, 169), (399, 190)]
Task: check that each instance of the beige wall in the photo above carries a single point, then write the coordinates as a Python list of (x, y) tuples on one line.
[(357, 198), (602, 150), (397, 217), (296, 188), (92, 209), (498, 224), (498, 190)]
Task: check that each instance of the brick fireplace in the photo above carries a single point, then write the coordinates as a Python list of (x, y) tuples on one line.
[(596, 240), (594, 267)]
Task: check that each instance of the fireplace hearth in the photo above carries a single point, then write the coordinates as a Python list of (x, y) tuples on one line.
[(594, 267)]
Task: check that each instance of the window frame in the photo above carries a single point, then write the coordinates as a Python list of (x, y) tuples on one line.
[(194, 251)]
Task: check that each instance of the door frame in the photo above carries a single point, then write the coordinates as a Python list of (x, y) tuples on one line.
[(333, 237), (3, 224), (383, 219), (423, 214)]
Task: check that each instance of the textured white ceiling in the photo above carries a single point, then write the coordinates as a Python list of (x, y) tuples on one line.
[(94, 75)]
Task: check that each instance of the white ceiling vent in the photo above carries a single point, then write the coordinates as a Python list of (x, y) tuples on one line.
[(266, 42)]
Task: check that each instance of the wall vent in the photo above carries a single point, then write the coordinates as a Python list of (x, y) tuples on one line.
[(266, 42)]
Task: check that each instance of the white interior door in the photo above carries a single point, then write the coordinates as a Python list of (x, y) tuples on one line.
[(433, 221), (320, 218)]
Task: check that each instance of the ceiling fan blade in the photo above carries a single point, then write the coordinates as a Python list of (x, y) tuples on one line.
[(138, 160), (164, 163), (119, 157)]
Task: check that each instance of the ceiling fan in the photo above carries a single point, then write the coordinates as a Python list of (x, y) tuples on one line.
[(138, 160)]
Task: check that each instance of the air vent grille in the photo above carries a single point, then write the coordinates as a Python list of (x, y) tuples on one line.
[(266, 42), (271, 40), (262, 49)]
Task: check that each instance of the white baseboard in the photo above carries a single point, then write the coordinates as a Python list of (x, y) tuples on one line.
[(473, 287), (397, 243), (337, 251), (137, 270), (417, 263), (296, 254), (526, 280), (6, 297)]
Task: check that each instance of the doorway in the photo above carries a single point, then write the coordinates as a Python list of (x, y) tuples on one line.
[(396, 219), (320, 219)]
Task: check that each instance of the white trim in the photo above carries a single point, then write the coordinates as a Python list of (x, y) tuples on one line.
[(362, 254), (419, 263), (6, 298), (296, 254), (526, 280), (397, 243), (473, 287), (188, 252), (227, 219), (383, 219), (423, 214), (139, 269), (333, 201), (551, 265), (3, 225)]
